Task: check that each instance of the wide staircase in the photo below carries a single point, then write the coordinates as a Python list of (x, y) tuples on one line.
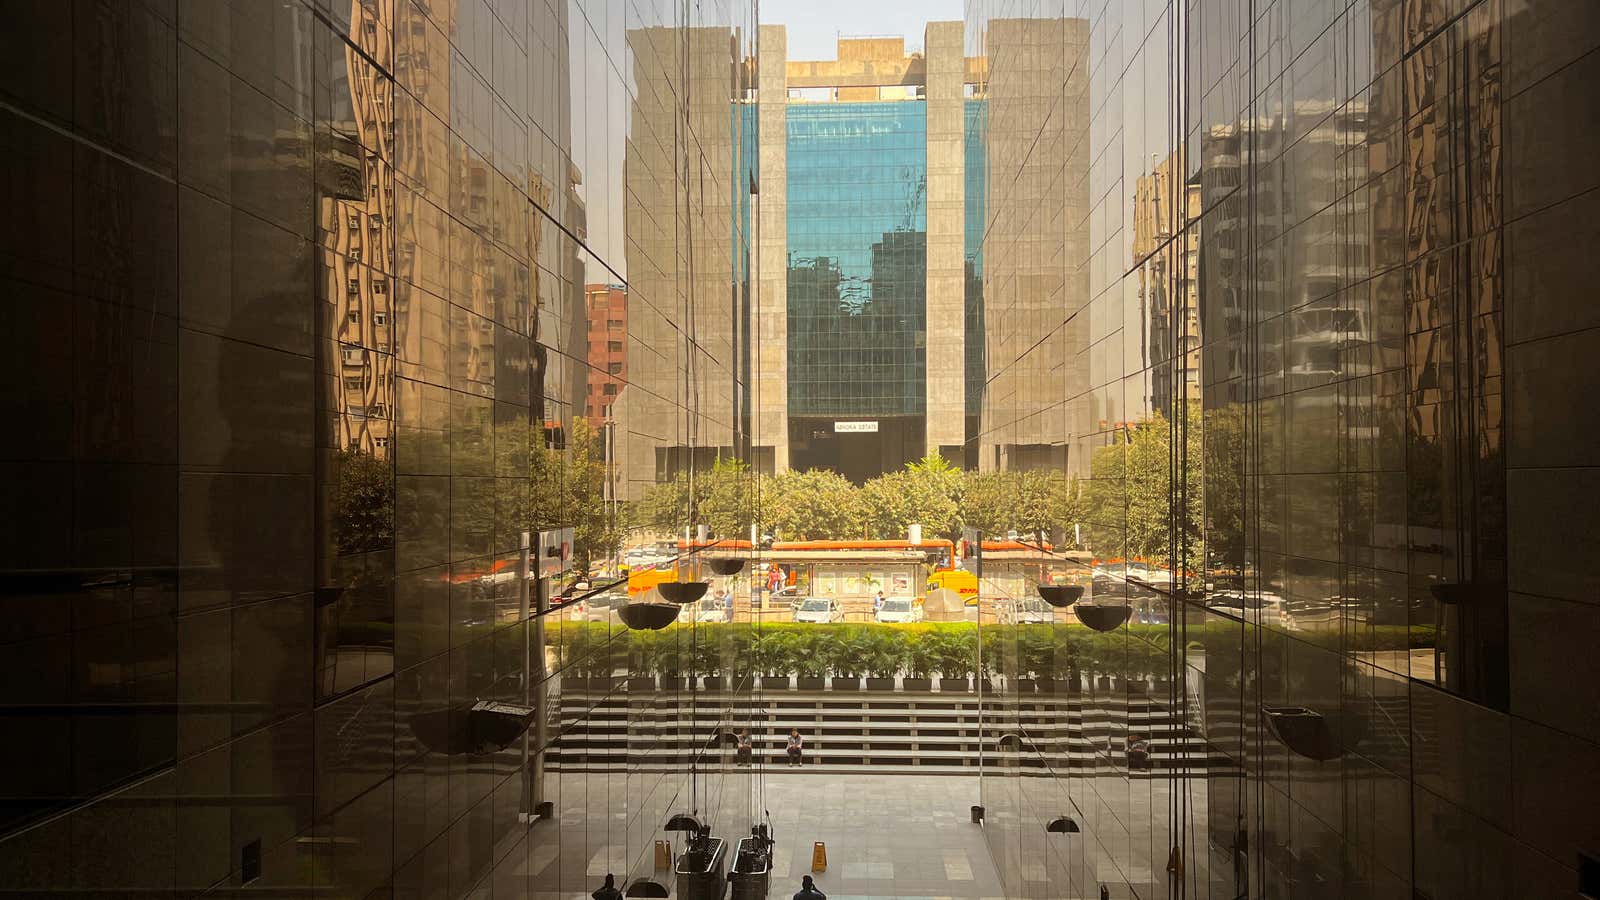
[(880, 732)]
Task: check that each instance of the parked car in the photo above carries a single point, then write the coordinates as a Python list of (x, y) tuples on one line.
[(898, 609), (818, 610), (1027, 611), (713, 609), (602, 607)]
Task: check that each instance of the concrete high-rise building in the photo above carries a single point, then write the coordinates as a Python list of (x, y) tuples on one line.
[(864, 298)]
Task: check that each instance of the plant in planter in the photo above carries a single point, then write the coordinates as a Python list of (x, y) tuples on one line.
[(955, 658), (918, 661), (641, 660), (670, 659), (708, 658), (773, 655), (847, 657), (1036, 658), (809, 660), (886, 655)]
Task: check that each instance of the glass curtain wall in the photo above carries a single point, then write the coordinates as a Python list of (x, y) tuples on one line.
[(317, 308), (1275, 285), (858, 245)]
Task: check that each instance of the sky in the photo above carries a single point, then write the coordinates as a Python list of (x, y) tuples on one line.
[(815, 25)]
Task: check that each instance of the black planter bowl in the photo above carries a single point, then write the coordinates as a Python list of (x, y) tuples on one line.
[(648, 616), (880, 684), (846, 682), (683, 592), (913, 684), (1308, 733), (726, 566), (809, 682), (1102, 618), (1060, 596)]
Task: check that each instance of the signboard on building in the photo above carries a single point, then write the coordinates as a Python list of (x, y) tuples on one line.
[(855, 427)]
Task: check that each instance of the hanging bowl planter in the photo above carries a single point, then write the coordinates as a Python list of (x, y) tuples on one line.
[(727, 566), (647, 616), (1060, 596), (1063, 825), (1309, 733), (683, 592), (1102, 618)]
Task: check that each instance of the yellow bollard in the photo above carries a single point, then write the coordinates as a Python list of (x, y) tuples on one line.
[(819, 857)]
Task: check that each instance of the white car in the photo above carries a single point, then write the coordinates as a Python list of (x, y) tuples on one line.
[(713, 609), (898, 609), (818, 611), (1028, 611)]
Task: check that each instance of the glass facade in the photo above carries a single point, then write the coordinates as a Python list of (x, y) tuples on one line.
[(857, 259), (1274, 285), (296, 315)]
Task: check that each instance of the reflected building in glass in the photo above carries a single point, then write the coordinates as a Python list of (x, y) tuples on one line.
[(1315, 324), (300, 302), (870, 184)]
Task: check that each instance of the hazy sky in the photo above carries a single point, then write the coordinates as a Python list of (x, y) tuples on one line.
[(815, 25)]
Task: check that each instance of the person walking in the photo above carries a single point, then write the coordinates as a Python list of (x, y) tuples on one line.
[(808, 890), (608, 891), (746, 751), (877, 602), (796, 745)]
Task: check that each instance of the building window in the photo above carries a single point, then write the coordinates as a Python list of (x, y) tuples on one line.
[(379, 317), (610, 390), (614, 346), (614, 368), (353, 286), (354, 317), (379, 285), (382, 443), (355, 254), (615, 324), (355, 221)]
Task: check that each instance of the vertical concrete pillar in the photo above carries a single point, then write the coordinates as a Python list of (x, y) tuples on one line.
[(772, 297), (946, 277)]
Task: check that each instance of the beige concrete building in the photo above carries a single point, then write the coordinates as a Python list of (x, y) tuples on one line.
[(862, 313)]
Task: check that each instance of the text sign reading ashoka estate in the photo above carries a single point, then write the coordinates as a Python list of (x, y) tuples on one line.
[(854, 427)]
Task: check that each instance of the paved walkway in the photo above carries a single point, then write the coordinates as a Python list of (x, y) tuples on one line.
[(886, 835)]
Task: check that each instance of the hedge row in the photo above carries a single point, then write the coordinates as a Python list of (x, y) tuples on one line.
[(948, 649)]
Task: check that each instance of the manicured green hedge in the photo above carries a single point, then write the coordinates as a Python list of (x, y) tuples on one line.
[(944, 648)]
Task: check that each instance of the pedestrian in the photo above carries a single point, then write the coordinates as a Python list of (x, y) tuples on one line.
[(796, 744), (877, 602), (808, 890), (608, 891), (1138, 752), (746, 751)]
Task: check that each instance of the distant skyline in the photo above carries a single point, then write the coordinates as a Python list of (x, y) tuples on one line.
[(815, 25)]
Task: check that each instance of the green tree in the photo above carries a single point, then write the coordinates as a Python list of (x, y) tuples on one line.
[(363, 503), (816, 504), (567, 488), (925, 492), (1127, 503), (726, 498)]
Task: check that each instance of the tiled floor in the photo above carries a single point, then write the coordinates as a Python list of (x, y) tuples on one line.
[(886, 835)]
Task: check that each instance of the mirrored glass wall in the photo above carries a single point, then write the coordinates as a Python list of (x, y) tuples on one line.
[(349, 331), (1272, 285)]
